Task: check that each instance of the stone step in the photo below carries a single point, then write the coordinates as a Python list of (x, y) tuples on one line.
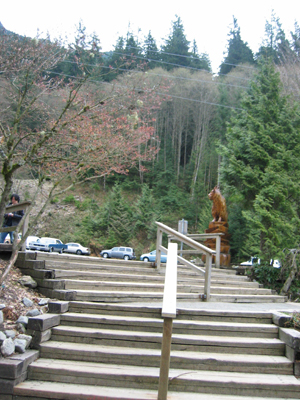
[(191, 360), (179, 326), (37, 390), (111, 276), (142, 296), (117, 296), (214, 382), (241, 316), (137, 339), (240, 298), (159, 287)]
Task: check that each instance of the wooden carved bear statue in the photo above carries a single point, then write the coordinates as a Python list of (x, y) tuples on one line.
[(219, 210)]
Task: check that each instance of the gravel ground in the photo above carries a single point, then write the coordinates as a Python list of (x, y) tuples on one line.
[(12, 294)]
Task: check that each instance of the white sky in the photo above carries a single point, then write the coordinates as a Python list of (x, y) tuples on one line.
[(208, 22)]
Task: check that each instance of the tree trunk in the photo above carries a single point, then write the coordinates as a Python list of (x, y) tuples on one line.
[(291, 277)]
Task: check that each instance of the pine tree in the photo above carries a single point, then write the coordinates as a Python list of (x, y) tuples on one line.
[(261, 164), (275, 45), (238, 50), (175, 52), (150, 51)]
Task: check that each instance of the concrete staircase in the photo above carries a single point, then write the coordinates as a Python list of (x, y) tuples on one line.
[(101, 349), (112, 351), (106, 280)]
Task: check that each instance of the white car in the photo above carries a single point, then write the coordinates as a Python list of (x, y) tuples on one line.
[(76, 248), (256, 260), (29, 240), (253, 260)]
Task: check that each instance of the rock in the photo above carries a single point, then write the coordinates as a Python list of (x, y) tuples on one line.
[(21, 328), (22, 320), (2, 337), (43, 302), (1, 317), (20, 345), (33, 313), (27, 281), (7, 347), (27, 338), (10, 333), (44, 309), (27, 302), (2, 306)]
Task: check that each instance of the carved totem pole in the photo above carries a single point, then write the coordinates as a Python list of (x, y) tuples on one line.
[(219, 224)]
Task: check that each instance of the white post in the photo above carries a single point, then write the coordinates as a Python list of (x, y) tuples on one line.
[(158, 244), (168, 312), (218, 251), (208, 263)]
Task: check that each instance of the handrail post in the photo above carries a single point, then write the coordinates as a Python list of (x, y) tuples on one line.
[(158, 250), (165, 359), (168, 313), (218, 251), (208, 264)]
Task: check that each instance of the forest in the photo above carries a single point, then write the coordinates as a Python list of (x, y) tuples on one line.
[(155, 130)]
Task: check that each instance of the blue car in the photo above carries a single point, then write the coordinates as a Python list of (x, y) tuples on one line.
[(152, 255)]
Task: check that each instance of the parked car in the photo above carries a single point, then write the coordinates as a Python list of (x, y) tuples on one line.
[(126, 253), (256, 260), (48, 244), (152, 256), (252, 261), (29, 240), (76, 248)]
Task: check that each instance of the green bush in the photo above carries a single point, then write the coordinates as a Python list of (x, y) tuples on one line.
[(69, 199), (267, 275)]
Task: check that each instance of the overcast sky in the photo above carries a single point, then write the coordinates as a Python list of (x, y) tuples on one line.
[(208, 22)]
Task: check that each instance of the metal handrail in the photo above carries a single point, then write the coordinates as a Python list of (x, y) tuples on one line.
[(204, 236), (161, 228), (170, 293)]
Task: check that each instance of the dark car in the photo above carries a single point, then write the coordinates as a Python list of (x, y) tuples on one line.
[(126, 253)]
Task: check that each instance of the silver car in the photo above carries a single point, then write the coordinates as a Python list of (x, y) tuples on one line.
[(76, 248), (127, 253)]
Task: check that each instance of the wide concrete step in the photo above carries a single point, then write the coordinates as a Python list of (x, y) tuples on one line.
[(159, 287), (132, 310), (212, 328), (144, 296), (111, 276), (241, 298), (138, 339), (37, 390), (214, 382), (190, 360), (117, 296)]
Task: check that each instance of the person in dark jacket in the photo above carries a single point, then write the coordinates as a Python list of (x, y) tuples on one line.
[(12, 218)]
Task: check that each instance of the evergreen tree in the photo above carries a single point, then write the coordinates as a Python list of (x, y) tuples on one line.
[(175, 52), (199, 61), (146, 213), (115, 60), (238, 50), (133, 52), (151, 52), (296, 40), (261, 164), (275, 45)]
